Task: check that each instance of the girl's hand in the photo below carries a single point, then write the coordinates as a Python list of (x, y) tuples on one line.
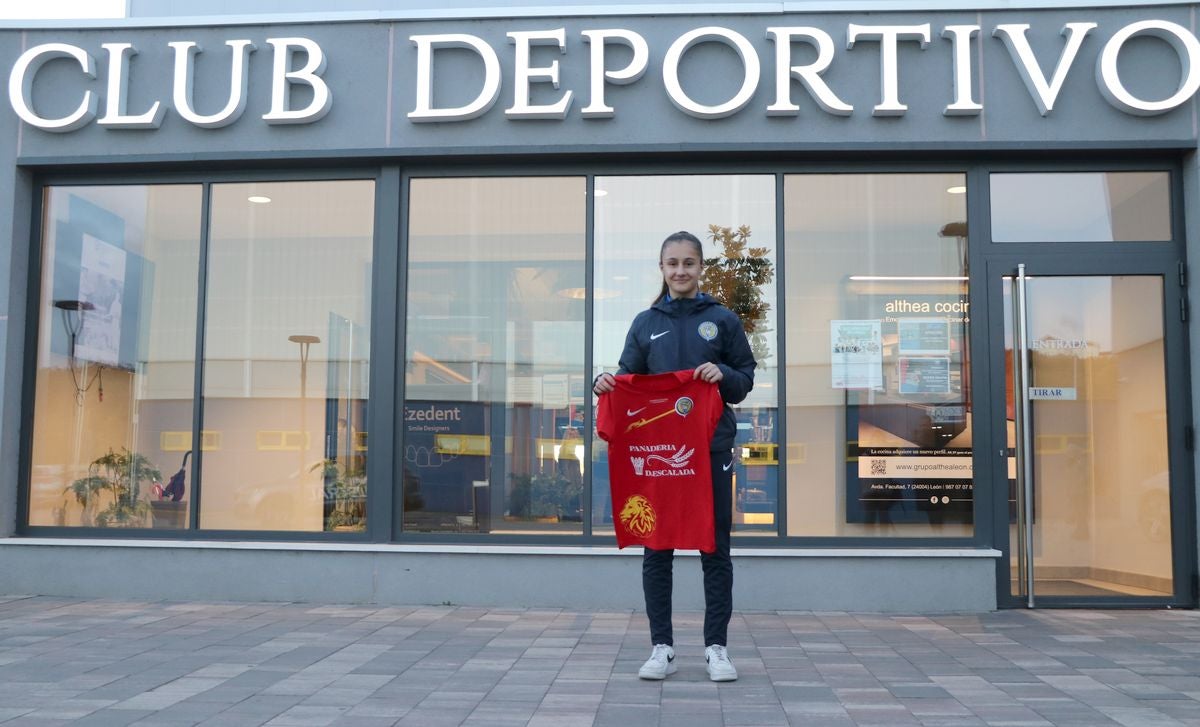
[(709, 372), (604, 383)]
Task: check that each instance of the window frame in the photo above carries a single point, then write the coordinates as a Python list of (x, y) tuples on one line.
[(376, 471), (388, 331)]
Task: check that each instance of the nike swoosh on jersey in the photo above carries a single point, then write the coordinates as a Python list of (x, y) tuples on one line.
[(658, 335), (633, 412), (726, 467), (639, 423)]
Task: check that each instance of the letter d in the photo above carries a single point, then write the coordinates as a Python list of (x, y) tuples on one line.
[(491, 79)]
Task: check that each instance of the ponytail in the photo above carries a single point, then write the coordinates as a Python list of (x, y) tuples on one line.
[(661, 293)]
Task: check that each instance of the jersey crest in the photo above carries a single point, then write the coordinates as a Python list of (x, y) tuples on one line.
[(637, 515)]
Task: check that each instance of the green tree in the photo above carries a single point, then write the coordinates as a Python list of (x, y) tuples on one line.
[(736, 276)]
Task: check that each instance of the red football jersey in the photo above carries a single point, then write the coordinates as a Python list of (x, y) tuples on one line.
[(658, 428)]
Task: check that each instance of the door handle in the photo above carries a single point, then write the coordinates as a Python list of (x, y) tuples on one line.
[(1021, 420)]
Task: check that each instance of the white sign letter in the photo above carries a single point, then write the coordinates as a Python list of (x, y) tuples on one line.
[(185, 67), (1043, 93), (750, 72), (596, 108), (282, 80), (491, 77), (115, 101), (521, 108), (20, 86), (960, 37), (1186, 47), (809, 75), (888, 35)]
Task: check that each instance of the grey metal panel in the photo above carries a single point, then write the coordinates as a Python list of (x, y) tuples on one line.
[(387, 289), (1191, 216), (606, 581), (356, 72), (16, 204), (304, 10), (712, 74), (362, 122)]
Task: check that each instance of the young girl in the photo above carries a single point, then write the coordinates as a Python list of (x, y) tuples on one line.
[(687, 329)]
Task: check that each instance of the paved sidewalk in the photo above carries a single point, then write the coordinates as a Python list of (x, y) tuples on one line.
[(91, 662)]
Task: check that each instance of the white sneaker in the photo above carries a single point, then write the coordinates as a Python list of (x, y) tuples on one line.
[(660, 664), (720, 668)]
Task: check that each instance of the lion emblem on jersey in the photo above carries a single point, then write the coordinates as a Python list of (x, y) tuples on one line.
[(638, 516)]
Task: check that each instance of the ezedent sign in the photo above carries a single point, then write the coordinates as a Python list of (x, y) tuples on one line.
[(287, 72)]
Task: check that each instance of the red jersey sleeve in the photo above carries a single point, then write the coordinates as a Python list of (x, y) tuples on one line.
[(604, 416), (716, 407)]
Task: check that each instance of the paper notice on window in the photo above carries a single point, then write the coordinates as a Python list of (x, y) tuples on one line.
[(554, 391), (524, 389), (923, 336), (924, 374), (856, 354), (102, 288)]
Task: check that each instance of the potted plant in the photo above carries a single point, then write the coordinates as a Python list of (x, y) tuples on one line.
[(120, 475), (546, 497), (345, 494)]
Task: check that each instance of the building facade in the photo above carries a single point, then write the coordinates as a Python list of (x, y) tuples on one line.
[(308, 307)]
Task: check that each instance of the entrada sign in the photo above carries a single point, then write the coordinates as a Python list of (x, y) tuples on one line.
[(1043, 88)]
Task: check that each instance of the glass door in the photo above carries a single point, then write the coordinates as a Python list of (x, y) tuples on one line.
[(1087, 435)]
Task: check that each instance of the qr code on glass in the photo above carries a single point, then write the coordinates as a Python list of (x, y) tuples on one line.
[(878, 467)]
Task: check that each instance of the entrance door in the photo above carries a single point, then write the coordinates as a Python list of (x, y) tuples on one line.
[(1088, 434)]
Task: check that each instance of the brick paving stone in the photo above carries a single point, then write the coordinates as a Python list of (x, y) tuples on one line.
[(433, 718), (347, 721), (1140, 717), (504, 710), (626, 715), (113, 663), (692, 719), (918, 690), (109, 718)]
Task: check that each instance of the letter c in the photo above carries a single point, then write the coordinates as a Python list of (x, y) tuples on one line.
[(20, 86)]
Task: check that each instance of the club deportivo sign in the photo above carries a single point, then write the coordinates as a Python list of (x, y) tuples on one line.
[(109, 109)]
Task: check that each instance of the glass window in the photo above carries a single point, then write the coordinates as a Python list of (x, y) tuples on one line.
[(116, 357), (1081, 207), (286, 353), (878, 385), (734, 217), (494, 356)]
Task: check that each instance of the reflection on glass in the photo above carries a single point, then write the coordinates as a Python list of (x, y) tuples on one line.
[(1081, 207), (116, 357), (494, 384), (731, 214), (879, 400), (287, 347), (1101, 506)]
